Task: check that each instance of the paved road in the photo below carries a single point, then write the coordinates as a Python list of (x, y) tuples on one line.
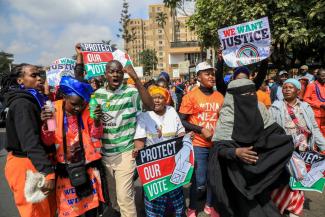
[(314, 205)]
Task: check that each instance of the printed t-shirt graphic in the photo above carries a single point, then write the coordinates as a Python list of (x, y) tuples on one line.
[(149, 124), (120, 108), (203, 111)]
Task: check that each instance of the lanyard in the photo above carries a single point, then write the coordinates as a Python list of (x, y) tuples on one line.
[(296, 122), (318, 93), (64, 137)]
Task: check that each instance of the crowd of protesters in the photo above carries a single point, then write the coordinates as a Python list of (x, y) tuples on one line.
[(244, 129)]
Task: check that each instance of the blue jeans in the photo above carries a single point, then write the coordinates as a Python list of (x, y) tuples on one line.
[(199, 178)]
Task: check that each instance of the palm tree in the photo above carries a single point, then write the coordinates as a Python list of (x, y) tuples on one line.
[(161, 21), (173, 4)]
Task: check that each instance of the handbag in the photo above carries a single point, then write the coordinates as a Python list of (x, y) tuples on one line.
[(76, 171)]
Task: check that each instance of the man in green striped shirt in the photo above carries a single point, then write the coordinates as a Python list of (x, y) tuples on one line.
[(120, 105)]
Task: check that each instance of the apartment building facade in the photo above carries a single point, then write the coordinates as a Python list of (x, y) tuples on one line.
[(174, 43)]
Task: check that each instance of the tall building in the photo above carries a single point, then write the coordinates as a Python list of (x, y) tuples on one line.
[(173, 44)]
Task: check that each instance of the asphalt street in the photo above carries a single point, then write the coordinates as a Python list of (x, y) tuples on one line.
[(314, 204)]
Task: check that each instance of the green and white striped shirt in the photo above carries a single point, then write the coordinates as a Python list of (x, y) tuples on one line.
[(120, 109)]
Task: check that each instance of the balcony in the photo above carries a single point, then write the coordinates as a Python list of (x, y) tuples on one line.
[(184, 47), (182, 44)]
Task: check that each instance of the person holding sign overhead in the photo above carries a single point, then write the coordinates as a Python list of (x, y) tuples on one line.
[(154, 127), (240, 72), (120, 105)]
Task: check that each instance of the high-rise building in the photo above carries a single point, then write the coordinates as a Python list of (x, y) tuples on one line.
[(174, 43)]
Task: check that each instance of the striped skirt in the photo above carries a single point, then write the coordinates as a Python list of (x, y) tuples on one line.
[(287, 199)]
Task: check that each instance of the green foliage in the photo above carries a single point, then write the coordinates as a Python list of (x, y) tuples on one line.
[(6, 60), (297, 26), (149, 60), (125, 33), (161, 19), (109, 42)]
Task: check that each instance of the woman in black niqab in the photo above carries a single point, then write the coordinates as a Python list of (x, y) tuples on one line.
[(242, 185)]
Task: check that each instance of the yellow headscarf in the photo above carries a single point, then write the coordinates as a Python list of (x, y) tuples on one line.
[(153, 89)]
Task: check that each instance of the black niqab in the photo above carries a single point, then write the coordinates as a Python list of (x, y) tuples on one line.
[(248, 121)]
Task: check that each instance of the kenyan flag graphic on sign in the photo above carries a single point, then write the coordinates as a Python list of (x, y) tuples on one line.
[(165, 166), (97, 55)]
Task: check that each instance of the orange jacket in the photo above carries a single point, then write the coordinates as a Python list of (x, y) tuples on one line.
[(91, 146), (311, 98)]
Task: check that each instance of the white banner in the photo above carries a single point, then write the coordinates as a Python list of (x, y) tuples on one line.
[(175, 73), (246, 43), (60, 67)]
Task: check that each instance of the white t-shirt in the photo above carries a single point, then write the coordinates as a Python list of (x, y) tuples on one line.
[(158, 128)]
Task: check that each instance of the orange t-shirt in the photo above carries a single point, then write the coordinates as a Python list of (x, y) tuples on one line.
[(203, 111), (264, 98)]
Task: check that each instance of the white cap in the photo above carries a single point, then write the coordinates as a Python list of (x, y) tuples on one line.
[(283, 72), (202, 66)]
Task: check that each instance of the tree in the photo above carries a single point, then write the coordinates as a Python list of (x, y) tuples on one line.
[(149, 60), (172, 5), (6, 60), (161, 21), (297, 27), (127, 34), (109, 42)]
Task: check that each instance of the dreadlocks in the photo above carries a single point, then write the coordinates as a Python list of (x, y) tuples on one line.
[(9, 79)]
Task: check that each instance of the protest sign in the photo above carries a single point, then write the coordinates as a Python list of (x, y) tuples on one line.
[(175, 73), (246, 43), (165, 166), (96, 56), (315, 178), (60, 67)]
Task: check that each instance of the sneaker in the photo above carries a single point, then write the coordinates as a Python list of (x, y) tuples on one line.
[(211, 211), (191, 212)]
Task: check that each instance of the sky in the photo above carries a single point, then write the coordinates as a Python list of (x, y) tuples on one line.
[(41, 31)]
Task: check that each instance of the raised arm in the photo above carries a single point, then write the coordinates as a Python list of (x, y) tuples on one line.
[(220, 83), (258, 80), (144, 94), (79, 68)]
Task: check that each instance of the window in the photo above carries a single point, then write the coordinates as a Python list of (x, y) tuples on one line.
[(159, 9), (161, 59), (160, 42), (160, 37), (161, 65), (161, 53), (160, 48), (160, 31)]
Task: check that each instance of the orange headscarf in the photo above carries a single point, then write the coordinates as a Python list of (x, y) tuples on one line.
[(159, 90)]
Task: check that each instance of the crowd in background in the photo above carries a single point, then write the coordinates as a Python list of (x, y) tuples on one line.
[(244, 128)]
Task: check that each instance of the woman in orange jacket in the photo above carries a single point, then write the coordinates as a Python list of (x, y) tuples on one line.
[(80, 175)]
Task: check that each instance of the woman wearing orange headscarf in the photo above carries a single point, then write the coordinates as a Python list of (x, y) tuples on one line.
[(161, 124)]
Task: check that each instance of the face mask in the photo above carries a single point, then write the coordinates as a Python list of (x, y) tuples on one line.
[(270, 84)]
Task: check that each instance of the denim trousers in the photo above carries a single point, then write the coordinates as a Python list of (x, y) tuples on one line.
[(199, 178)]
